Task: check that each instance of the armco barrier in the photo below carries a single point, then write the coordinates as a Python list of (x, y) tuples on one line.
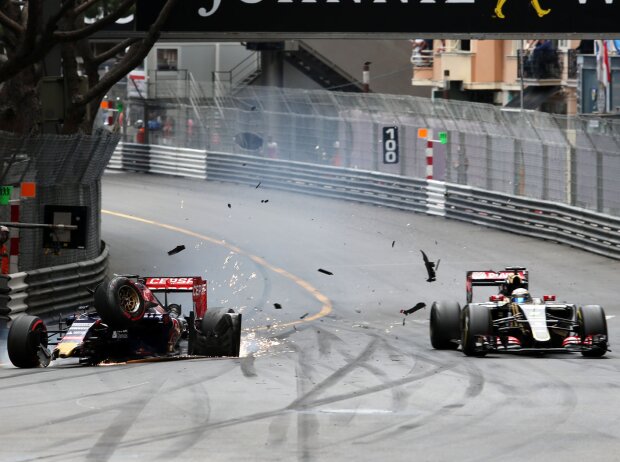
[(54, 289), (584, 229), (577, 227)]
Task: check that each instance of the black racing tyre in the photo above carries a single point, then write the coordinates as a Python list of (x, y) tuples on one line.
[(445, 325), (221, 334), (592, 321), (476, 322), (119, 303), (26, 337)]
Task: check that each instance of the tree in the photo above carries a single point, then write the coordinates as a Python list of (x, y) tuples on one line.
[(29, 33)]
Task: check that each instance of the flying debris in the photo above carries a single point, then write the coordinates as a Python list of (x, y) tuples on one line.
[(177, 249), (321, 270), (229, 206), (430, 267), (393, 242), (258, 184), (303, 315), (264, 201), (418, 306), (277, 306), (248, 140)]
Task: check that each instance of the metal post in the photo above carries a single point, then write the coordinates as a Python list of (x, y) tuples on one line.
[(600, 202), (366, 77), (545, 162), (489, 166), (516, 182), (570, 171), (521, 68), (461, 177)]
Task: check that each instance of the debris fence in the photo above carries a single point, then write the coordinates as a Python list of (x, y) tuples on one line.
[(570, 160)]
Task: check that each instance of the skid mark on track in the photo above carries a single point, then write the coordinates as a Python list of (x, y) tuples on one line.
[(55, 372), (203, 428), (108, 442), (307, 398), (200, 414), (326, 304)]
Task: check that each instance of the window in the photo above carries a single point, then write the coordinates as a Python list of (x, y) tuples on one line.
[(167, 59)]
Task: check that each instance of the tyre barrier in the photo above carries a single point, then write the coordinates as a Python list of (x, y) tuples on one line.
[(584, 229), (54, 289)]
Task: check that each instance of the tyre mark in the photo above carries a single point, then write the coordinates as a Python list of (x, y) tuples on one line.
[(115, 406), (302, 401), (200, 414), (109, 441)]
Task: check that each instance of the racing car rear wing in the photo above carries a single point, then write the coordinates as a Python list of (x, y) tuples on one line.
[(194, 284), (494, 278)]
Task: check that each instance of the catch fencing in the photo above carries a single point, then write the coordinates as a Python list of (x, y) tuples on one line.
[(67, 171), (570, 160), (592, 231)]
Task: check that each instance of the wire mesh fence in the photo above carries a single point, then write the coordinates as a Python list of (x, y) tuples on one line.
[(574, 160), (67, 171)]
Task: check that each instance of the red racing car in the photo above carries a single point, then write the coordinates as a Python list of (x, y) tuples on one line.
[(128, 321)]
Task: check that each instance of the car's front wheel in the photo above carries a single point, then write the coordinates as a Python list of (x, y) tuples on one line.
[(445, 325), (476, 325), (27, 342), (593, 326)]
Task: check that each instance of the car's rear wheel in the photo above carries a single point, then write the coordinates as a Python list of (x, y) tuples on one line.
[(27, 342), (592, 323), (476, 324), (220, 334), (119, 303), (445, 325)]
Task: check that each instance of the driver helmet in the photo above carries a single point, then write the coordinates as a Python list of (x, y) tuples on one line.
[(520, 295)]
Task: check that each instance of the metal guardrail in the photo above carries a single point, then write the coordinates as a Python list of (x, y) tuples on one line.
[(165, 160), (591, 231), (321, 180), (53, 289), (581, 228)]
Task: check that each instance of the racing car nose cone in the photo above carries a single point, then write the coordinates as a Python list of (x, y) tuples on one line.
[(64, 350)]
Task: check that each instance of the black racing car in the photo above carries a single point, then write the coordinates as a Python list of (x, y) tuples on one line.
[(513, 321), (127, 321)]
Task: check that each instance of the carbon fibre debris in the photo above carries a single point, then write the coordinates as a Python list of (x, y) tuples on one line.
[(177, 249)]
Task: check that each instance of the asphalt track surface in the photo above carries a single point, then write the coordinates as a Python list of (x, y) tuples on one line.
[(334, 374)]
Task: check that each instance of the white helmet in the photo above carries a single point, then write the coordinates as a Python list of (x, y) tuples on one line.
[(520, 295)]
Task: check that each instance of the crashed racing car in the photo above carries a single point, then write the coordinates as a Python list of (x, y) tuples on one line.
[(514, 321), (128, 321)]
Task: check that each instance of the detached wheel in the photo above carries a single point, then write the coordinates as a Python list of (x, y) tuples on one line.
[(119, 303), (445, 325), (476, 323), (592, 322), (221, 334), (27, 342)]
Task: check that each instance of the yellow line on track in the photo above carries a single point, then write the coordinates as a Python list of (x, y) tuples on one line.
[(326, 304)]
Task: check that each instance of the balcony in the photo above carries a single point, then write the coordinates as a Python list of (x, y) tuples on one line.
[(540, 65)]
